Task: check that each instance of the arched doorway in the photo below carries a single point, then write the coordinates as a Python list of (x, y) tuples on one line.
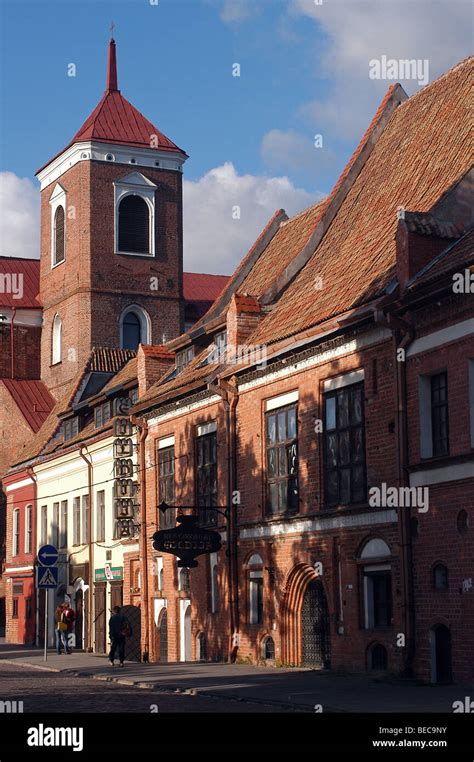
[(440, 642), (314, 626), (305, 619), (163, 636)]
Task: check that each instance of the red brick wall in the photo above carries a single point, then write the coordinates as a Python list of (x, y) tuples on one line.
[(93, 286), (26, 347), (14, 432)]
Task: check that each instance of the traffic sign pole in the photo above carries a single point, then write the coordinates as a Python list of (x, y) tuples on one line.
[(46, 593)]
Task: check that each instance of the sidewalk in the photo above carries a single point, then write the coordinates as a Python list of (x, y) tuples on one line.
[(293, 688)]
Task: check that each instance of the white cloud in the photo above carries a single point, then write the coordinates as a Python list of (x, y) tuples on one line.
[(214, 242), (289, 150), (19, 216), (360, 30)]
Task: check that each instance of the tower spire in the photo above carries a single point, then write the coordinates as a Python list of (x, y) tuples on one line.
[(112, 65)]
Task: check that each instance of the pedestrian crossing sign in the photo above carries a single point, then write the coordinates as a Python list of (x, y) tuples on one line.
[(46, 576)]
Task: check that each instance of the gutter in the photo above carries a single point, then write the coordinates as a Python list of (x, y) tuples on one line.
[(12, 344), (403, 335), (143, 426)]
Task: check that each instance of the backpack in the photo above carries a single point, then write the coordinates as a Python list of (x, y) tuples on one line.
[(126, 628)]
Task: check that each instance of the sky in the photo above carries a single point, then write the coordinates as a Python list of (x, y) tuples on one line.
[(304, 72)]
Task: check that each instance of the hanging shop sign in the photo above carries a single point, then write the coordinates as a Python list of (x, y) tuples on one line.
[(187, 541), (125, 486), (111, 573)]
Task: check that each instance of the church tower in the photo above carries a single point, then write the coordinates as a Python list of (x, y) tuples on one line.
[(111, 238)]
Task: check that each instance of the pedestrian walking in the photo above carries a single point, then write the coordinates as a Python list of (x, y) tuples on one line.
[(61, 630), (69, 617), (119, 630)]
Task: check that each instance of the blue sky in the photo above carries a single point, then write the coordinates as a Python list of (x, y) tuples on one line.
[(304, 70)]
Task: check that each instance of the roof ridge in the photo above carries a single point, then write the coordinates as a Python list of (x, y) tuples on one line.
[(441, 77)]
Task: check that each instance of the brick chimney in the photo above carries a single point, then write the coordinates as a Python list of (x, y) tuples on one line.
[(152, 362), (243, 316), (420, 238)]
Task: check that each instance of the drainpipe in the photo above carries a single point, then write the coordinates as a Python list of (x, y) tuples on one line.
[(143, 426), (12, 344), (90, 596), (226, 391), (403, 335)]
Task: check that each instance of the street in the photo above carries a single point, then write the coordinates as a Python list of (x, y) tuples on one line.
[(59, 692)]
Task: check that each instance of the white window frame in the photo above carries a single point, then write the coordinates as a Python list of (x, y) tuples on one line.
[(135, 184), (85, 518), (57, 198), (16, 532), (44, 524), (28, 529), (145, 323), (100, 515), (56, 340), (76, 524)]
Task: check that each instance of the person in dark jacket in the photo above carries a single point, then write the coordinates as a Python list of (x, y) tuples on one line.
[(119, 629)]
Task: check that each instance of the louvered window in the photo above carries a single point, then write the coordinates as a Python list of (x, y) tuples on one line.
[(59, 235), (134, 225)]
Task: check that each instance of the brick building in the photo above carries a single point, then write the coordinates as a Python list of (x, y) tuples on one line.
[(110, 277), (325, 400)]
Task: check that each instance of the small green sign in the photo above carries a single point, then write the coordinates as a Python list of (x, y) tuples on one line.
[(113, 573)]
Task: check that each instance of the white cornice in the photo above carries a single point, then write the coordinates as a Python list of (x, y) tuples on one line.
[(98, 151)]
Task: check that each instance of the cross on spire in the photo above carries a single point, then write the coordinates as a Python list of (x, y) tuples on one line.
[(112, 27)]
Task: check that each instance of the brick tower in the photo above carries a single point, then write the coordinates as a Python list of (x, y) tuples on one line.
[(111, 237)]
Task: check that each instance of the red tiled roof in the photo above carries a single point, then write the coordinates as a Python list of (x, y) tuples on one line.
[(203, 287), (115, 120), (29, 270), (32, 399), (108, 360), (422, 152)]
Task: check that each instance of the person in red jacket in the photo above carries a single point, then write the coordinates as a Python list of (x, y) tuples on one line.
[(69, 617)]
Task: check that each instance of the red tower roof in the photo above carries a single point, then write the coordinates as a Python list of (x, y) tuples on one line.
[(115, 120)]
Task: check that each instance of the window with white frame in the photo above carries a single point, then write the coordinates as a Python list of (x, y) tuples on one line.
[(135, 215), (44, 524), (63, 532), (76, 521), (255, 587), (28, 529), (376, 584), (16, 532), (135, 327), (100, 508), (160, 583), (85, 519), (56, 340), (55, 526)]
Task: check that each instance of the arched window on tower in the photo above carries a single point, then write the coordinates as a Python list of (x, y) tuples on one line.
[(57, 339), (134, 328), (59, 236), (134, 225)]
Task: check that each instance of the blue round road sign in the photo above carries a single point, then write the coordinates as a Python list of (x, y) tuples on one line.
[(47, 555)]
